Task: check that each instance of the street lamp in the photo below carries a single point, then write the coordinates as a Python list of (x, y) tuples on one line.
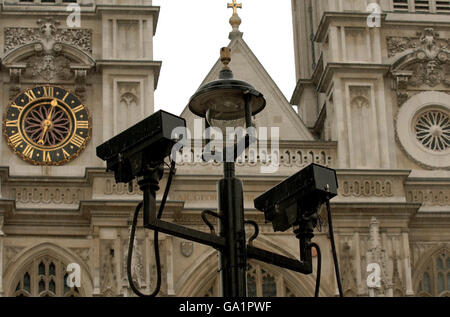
[(139, 152), (227, 102), (230, 103)]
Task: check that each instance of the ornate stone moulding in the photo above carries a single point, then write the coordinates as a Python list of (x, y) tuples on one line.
[(423, 129), (419, 63), (47, 54)]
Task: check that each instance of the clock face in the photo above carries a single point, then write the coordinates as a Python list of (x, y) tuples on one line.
[(47, 125)]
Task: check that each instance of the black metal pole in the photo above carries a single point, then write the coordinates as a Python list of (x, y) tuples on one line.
[(233, 259)]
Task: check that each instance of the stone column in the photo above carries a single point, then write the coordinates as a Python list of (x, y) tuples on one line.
[(407, 265), (169, 267), (359, 281), (96, 260)]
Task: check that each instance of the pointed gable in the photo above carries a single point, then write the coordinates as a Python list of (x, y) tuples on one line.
[(278, 112)]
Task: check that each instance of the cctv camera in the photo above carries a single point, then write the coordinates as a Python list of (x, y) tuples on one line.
[(300, 195), (145, 144)]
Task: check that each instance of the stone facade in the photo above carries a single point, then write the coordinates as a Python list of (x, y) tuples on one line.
[(380, 91), (369, 101)]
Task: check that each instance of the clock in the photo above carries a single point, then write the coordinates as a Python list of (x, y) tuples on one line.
[(47, 125)]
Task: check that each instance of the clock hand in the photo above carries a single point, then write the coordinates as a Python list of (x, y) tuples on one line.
[(54, 103), (48, 122)]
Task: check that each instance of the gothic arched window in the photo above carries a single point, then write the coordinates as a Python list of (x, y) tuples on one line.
[(435, 280), (44, 277), (261, 282)]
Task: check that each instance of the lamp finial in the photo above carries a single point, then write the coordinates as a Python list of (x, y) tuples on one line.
[(225, 58)]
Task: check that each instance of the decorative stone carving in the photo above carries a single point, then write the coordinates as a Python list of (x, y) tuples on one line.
[(80, 38), (296, 158), (432, 130), (401, 84), (424, 62), (137, 263), (187, 248), (430, 197), (48, 63), (360, 96), (367, 188), (112, 188), (47, 195), (48, 67), (428, 40), (128, 95), (397, 283), (430, 73), (10, 253), (376, 254), (108, 272), (83, 253), (396, 45)]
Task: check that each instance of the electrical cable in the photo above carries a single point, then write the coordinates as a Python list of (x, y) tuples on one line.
[(319, 267), (256, 233), (206, 221), (155, 240), (333, 250)]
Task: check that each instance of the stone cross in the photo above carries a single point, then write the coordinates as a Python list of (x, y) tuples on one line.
[(235, 6)]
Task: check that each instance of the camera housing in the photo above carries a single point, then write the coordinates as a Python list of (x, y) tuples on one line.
[(301, 195), (145, 144)]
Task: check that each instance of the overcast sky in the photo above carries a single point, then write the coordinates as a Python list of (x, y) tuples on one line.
[(190, 34)]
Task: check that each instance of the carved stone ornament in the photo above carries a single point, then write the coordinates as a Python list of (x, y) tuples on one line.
[(16, 36), (46, 59), (187, 248), (108, 272), (83, 253), (422, 61), (10, 254), (377, 254), (137, 264)]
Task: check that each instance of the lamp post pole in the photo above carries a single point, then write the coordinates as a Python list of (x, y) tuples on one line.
[(233, 258), (224, 103)]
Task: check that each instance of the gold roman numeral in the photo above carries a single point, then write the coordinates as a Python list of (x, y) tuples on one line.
[(49, 91), (16, 139), (79, 108), (29, 151), (66, 154), (46, 157), (77, 140), (30, 94), (17, 107), (11, 123), (82, 124)]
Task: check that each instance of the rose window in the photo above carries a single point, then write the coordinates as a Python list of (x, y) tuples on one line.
[(432, 129)]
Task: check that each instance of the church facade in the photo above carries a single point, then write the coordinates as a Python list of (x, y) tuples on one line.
[(372, 101)]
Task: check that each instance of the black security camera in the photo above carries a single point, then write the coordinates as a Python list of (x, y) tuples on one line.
[(299, 196), (146, 144)]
